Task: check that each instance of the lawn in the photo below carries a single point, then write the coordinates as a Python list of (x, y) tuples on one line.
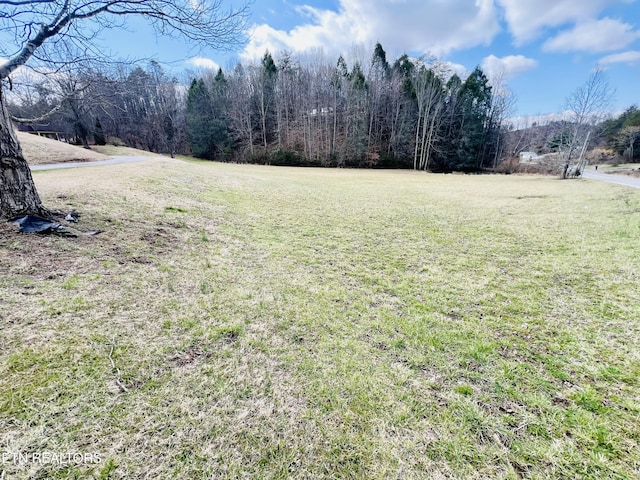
[(238, 321)]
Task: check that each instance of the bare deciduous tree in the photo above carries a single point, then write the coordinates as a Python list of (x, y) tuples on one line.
[(587, 106), (40, 29), (430, 96)]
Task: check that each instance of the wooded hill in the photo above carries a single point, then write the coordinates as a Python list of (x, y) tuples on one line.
[(411, 113), (615, 140), (622, 134)]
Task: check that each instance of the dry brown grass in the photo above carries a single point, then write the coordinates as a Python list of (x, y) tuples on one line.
[(117, 150), (40, 150)]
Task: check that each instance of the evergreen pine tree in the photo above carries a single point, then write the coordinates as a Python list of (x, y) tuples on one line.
[(199, 118), (471, 105), (219, 124)]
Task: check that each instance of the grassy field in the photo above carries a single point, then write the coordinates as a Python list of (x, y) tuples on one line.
[(258, 322)]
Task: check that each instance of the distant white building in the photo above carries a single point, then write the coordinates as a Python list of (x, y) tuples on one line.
[(322, 111), (528, 156)]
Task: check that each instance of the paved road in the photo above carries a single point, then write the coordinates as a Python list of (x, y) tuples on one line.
[(628, 181), (111, 161)]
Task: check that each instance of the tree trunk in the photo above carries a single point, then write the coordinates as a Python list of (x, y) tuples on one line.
[(18, 194)]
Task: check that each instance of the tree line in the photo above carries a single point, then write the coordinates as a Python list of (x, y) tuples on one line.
[(137, 107), (412, 113), (304, 111)]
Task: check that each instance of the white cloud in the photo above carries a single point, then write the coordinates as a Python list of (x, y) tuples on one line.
[(527, 19), (421, 26), (201, 62), (456, 68), (594, 36), (631, 57), (507, 67)]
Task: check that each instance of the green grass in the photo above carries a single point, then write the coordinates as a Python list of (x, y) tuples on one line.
[(255, 322)]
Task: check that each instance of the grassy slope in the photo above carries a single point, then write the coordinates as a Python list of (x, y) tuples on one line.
[(40, 150), (243, 321)]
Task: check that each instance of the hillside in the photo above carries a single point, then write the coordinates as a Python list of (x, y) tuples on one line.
[(40, 150)]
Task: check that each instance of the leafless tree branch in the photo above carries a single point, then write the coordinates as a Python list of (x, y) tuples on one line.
[(36, 23)]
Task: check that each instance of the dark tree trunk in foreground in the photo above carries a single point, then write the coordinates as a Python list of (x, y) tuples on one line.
[(18, 194)]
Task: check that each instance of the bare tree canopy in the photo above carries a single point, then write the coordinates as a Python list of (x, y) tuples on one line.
[(590, 102), (39, 27)]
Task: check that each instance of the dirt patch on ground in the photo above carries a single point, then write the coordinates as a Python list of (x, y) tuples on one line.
[(39, 150)]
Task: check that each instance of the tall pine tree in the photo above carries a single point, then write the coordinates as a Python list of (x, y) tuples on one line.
[(199, 116)]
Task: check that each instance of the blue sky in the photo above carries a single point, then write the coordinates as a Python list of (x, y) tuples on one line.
[(545, 49)]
